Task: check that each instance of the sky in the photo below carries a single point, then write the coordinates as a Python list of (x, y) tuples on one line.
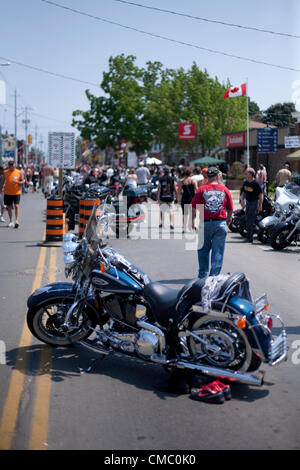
[(38, 34)]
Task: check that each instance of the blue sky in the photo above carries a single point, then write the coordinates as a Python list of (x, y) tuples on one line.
[(47, 37)]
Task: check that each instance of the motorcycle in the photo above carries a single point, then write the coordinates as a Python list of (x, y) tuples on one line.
[(287, 231), (268, 207), (267, 224), (217, 331), (237, 216), (285, 199), (128, 209)]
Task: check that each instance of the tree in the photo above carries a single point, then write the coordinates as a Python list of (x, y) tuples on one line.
[(145, 105), (280, 115)]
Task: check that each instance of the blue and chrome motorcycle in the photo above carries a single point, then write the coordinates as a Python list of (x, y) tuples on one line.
[(113, 307)]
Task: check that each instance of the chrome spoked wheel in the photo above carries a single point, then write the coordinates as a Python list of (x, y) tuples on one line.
[(46, 323), (218, 342)]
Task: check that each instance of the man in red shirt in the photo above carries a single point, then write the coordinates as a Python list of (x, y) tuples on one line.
[(216, 201)]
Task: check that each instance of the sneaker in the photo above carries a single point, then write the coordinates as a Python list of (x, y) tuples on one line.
[(11, 224), (17, 224), (208, 393), (2, 219), (224, 388)]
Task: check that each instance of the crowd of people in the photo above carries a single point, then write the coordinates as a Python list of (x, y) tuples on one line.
[(188, 187)]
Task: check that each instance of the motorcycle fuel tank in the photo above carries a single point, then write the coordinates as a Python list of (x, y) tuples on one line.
[(114, 281)]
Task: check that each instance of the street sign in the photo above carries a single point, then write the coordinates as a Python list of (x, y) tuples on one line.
[(267, 140), (61, 149), (292, 142), (187, 131)]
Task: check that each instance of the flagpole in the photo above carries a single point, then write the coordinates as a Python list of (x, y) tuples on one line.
[(247, 110)]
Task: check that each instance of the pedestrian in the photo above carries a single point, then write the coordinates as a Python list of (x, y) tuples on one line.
[(166, 194), (284, 175), (187, 188), (131, 178), (261, 177), (2, 205), (217, 210), (143, 174), (252, 199), (13, 181), (197, 176)]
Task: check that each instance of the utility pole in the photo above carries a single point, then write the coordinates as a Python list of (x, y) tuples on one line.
[(16, 139), (35, 152), (26, 122)]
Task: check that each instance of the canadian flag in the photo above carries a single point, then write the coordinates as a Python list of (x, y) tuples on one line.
[(236, 91)]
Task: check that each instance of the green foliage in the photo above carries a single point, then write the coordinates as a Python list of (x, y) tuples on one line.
[(145, 105), (280, 115)]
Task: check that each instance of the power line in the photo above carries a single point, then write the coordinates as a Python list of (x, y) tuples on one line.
[(223, 23), (158, 36), (49, 72)]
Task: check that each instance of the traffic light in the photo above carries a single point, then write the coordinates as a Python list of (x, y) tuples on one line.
[(29, 139)]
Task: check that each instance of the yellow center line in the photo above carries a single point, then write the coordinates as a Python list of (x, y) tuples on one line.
[(12, 404), (39, 429)]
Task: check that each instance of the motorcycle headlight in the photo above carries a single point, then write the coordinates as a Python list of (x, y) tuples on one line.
[(69, 246), (69, 259)]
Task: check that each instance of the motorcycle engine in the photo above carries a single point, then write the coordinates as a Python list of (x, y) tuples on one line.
[(144, 343)]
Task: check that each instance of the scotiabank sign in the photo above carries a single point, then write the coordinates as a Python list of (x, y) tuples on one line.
[(187, 131), (235, 140)]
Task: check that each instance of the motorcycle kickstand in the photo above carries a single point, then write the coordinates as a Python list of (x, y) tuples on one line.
[(93, 364)]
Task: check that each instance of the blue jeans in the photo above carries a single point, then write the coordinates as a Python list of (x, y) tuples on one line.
[(215, 232), (251, 211)]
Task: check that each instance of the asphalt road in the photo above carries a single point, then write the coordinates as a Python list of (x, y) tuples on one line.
[(48, 401)]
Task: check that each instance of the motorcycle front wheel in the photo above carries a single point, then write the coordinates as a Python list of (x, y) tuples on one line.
[(279, 239), (222, 344), (45, 322)]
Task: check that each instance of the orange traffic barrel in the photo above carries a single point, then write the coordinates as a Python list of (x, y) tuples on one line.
[(85, 210), (54, 220)]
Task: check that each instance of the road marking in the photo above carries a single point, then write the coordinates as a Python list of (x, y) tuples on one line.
[(12, 404), (40, 419)]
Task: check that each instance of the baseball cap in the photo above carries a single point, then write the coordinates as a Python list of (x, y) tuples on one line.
[(212, 171)]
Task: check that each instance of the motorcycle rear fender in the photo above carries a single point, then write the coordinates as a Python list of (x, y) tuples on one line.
[(257, 337), (57, 290)]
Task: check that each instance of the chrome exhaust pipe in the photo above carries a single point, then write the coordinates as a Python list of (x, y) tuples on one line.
[(255, 378)]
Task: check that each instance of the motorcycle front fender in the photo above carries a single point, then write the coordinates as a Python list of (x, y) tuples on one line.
[(281, 225), (51, 291)]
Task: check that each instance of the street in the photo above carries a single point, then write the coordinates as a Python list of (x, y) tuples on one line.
[(48, 400)]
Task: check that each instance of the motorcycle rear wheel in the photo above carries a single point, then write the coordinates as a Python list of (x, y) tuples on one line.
[(45, 322), (235, 352)]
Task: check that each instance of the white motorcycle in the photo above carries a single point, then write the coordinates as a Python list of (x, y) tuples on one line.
[(285, 200)]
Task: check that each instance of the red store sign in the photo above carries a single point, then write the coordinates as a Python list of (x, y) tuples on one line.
[(235, 140), (187, 131)]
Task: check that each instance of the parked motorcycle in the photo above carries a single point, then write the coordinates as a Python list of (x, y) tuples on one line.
[(237, 216), (267, 209), (267, 224), (287, 231), (228, 338), (285, 199)]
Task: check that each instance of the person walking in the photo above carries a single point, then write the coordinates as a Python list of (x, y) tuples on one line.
[(261, 177), (252, 198), (284, 175), (131, 178), (217, 208), (13, 181), (143, 174), (187, 188), (166, 194), (2, 205)]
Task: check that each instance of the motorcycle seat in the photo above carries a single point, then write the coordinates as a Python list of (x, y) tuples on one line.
[(163, 299)]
